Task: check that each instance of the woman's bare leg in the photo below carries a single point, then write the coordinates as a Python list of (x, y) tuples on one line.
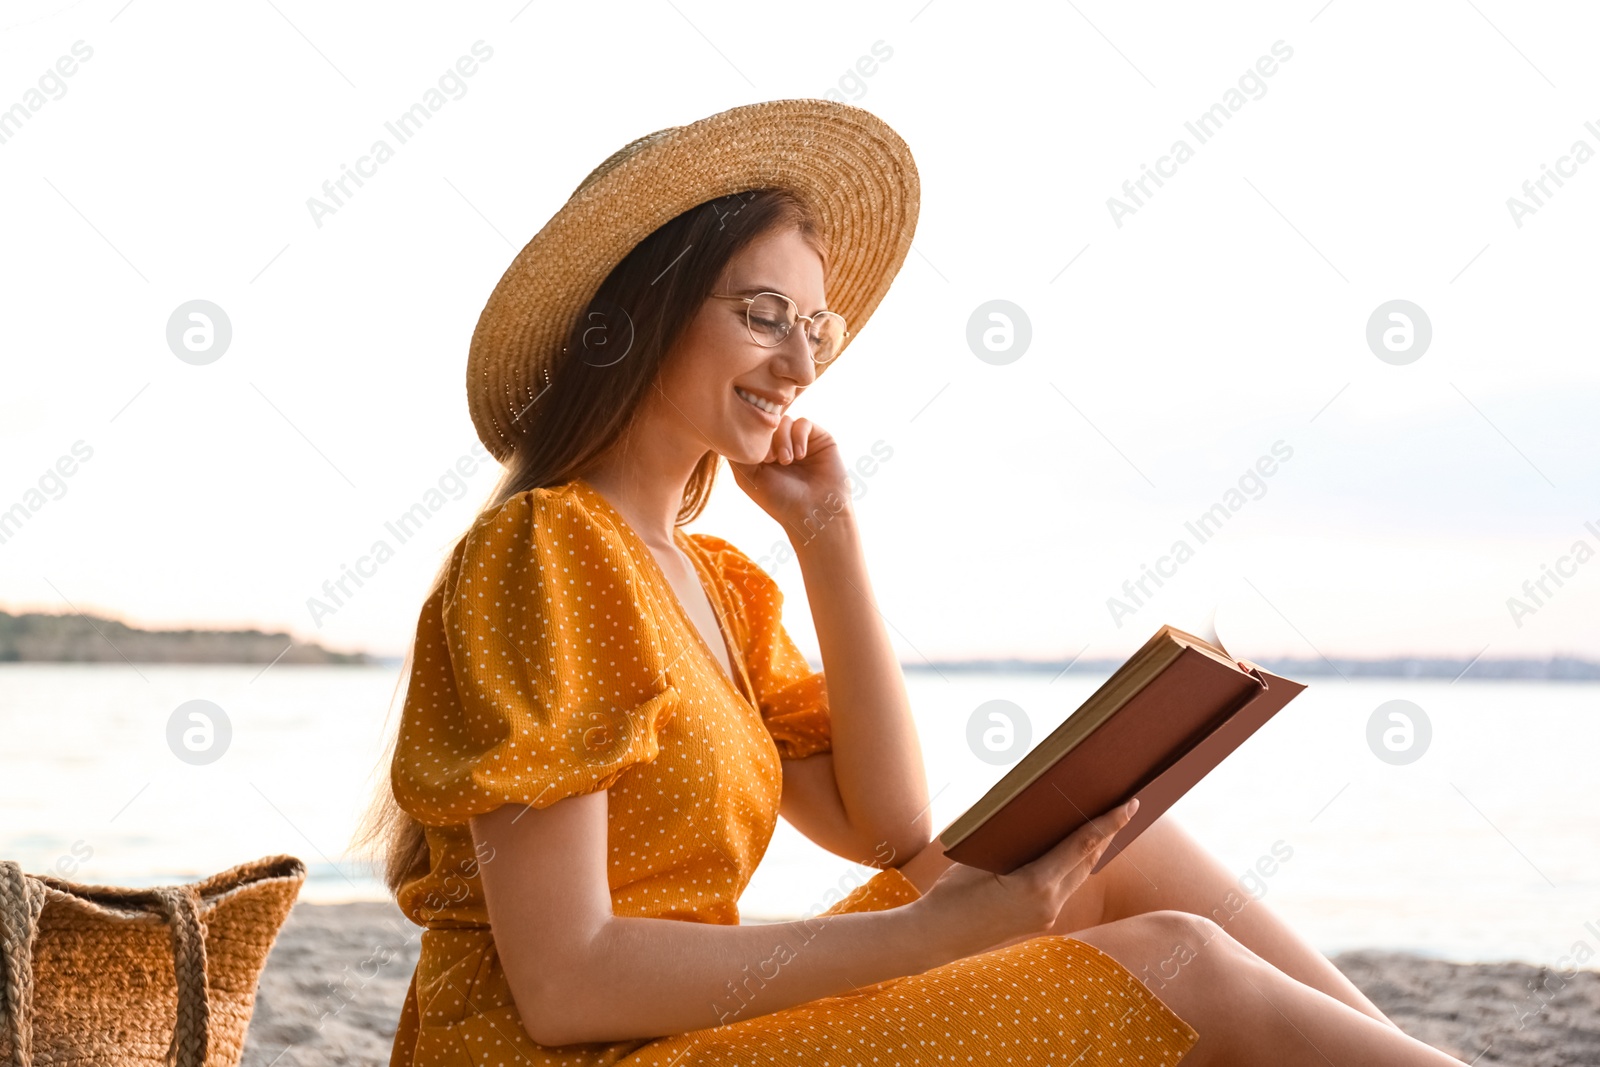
[(1246, 1010), (1166, 869)]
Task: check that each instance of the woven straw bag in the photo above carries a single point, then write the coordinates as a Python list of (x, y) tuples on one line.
[(131, 977)]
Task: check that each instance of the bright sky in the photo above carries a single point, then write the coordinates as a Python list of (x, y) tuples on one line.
[(1220, 324)]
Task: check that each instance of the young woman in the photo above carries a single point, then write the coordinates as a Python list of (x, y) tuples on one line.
[(605, 716)]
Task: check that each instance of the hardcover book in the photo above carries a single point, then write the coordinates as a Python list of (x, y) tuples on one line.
[(1158, 725)]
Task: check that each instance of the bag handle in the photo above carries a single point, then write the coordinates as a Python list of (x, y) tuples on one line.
[(180, 905), (22, 900)]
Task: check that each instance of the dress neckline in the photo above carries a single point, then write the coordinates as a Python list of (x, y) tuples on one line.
[(691, 550)]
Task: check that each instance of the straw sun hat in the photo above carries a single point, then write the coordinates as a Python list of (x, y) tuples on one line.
[(855, 173)]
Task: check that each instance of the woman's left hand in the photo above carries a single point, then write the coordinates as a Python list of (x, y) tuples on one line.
[(802, 478)]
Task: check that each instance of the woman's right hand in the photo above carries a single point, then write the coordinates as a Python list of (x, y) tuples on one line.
[(979, 910)]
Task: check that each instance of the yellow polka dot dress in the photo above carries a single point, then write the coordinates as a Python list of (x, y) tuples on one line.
[(556, 660)]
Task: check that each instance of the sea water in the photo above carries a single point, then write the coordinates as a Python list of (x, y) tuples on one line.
[(1485, 847)]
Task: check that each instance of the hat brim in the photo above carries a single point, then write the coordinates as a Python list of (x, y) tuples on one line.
[(856, 174)]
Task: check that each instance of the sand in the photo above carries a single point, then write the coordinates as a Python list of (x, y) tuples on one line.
[(333, 985)]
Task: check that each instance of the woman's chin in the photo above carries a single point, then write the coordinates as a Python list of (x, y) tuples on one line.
[(746, 455), (746, 448)]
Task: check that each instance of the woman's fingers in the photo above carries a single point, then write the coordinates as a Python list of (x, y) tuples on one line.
[(789, 439), (1028, 901), (1066, 866), (802, 433), (1087, 841)]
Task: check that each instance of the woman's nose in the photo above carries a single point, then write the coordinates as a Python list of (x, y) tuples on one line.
[(795, 350)]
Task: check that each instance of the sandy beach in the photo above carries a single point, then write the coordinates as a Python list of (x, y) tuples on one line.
[(333, 985)]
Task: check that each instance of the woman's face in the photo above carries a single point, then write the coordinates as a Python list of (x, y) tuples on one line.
[(716, 359)]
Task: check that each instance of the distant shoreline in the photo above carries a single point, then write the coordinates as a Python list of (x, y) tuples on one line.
[(40, 638), (1557, 668)]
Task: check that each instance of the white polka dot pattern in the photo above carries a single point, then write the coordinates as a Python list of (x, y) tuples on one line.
[(538, 673), (556, 660)]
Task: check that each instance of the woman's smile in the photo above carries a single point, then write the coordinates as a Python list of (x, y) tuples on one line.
[(770, 412)]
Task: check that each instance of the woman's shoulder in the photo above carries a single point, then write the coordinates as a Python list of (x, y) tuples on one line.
[(548, 522), (724, 553), (564, 504), (742, 574)]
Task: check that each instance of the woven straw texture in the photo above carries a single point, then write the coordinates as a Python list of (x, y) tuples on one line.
[(120, 977), (853, 170)]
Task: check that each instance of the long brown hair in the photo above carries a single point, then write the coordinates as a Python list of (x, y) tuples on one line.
[(611, 359)]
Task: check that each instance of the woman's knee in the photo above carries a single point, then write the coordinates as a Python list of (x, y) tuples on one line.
[(1161, 947), (1195, 968)]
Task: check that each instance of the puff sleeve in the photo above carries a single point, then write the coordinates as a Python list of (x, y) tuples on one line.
[(538, 673), (793, 698)]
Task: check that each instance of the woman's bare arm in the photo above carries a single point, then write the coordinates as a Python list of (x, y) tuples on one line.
[(579, 973), (876, 758)]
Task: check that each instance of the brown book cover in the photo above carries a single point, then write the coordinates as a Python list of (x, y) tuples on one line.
[(1158, 725)]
